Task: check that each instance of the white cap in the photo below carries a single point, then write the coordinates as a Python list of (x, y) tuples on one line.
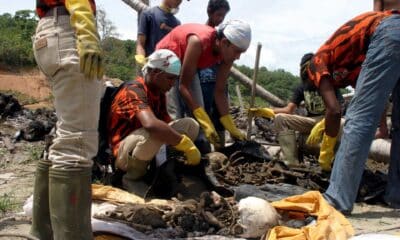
[(165, 60), (237, 32)]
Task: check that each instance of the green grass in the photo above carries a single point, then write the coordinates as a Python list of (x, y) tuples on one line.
[(6, 203), (34, 152), (22, 98), (3, 152)]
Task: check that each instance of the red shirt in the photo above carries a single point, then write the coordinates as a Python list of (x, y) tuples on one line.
[(42, 6), (176, 41), (342, 55), (131, 99)]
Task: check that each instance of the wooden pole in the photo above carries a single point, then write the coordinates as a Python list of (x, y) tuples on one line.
[(253, 90), (136, 5), (239, 95)]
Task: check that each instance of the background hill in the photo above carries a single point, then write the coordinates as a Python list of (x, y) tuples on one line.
[(16, 59)]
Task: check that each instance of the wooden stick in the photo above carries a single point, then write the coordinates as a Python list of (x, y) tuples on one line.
[(239, 95), (253, 90)]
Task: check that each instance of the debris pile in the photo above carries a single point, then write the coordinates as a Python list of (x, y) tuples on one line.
[(212, 214)]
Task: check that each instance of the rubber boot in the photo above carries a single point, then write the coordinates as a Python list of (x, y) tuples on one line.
[(132, 181), (70, 203), (288, 143), (41, 224)]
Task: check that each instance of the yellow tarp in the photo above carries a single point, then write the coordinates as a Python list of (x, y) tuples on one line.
[(116, 195), (330, 224)]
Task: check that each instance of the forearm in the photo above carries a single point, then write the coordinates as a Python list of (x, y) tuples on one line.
[(332, 122), (140, 43), (221, 102), (332, 106), (187, 96), (140, 50), (289, 109)]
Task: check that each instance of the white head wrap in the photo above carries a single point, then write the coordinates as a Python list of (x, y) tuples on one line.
[(237, 32), (165, 60)]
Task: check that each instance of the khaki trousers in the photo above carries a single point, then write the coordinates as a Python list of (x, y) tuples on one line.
[(304, 125), (76, 99), (140, 146)]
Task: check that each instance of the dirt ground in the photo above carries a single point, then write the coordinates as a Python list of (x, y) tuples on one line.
[(18, 160)]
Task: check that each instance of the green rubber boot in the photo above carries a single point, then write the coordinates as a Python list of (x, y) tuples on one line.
[(132, 181), (288, 143), (70, 203), (41, 224)]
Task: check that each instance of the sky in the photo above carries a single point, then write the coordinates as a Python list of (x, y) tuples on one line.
[(286, 28)]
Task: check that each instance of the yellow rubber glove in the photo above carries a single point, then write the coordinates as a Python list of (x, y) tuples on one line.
[(229, 125), (207, 126), (191, 152), (316, 133), (140, 60), (88, 40), (262, 112), (326, 153)]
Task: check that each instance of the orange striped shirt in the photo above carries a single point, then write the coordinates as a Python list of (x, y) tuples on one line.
[(128, 102), (42, 6), (341, 57)]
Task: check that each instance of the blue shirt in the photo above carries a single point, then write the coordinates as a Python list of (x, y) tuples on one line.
[(152, 24)]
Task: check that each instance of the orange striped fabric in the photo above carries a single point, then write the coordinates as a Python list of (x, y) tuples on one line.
[(130, 100), (340, 57), (42, 6)]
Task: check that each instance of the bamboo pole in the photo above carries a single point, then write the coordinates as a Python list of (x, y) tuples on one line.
[(239, 95), (253, 90), (136, 5)]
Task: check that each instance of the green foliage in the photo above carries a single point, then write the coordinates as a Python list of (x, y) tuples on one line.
[(6, 203), (278, 82), (15, 38), (119, 58)]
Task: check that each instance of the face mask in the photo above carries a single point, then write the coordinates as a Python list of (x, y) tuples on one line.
[(174, 11)]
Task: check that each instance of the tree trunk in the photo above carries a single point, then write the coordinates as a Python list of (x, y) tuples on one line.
[(137, 5)]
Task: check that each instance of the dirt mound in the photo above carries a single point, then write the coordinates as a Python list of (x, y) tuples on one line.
[(29, 82)]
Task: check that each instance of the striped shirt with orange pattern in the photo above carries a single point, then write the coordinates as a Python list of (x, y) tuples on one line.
[(341, 57), (131, 99), (42, 6)]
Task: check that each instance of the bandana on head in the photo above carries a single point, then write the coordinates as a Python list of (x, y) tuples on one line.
[(237, 32), (165, 60)]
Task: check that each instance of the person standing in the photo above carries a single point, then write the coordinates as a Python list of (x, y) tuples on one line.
[(154, 24), (67, 50), (216, 11), (363, 53)]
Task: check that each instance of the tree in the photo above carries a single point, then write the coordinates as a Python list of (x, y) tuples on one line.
[(15, 38), (105, 27), (278, 82), (119, 58)]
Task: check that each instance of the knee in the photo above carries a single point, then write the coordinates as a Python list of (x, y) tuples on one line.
[(280, 121), (190, 127)]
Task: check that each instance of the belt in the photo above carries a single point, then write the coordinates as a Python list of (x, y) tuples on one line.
[(59, 10)]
